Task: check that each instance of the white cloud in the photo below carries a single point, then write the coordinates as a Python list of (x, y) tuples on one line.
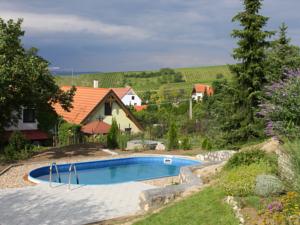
[(54, 23)]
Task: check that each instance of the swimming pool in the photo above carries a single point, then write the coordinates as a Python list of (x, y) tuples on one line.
[(114, 170)]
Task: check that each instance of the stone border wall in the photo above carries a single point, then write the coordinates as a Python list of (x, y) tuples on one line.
[(155, 198), (189, 182)]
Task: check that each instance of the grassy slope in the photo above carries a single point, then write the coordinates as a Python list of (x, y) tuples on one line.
[(191, 76), (204, 208)]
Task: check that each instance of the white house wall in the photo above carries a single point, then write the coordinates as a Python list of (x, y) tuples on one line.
[(127, 100), (23, 126)]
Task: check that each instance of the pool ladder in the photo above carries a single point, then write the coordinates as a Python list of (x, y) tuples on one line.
[(72, 166), (50, 173)]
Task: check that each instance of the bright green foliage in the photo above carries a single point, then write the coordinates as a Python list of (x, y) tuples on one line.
[(293, 148), (112, 136), (18, 147), (186, 143), (206, 144), (250, 156), (68, 134), (249, 74), (206, 207), (282, 56), (122, 141), (25, 79), (173, 137), (240, 181)]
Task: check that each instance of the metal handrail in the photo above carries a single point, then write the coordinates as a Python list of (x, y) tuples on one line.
[(70, 174), (50, 173)]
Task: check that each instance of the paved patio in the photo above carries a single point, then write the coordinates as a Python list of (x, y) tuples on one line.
[(41, 204)]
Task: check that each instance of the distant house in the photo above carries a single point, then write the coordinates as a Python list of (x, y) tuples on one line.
[(139, 108), (199, 90), (94, 109), (128, 96), (28, 126)]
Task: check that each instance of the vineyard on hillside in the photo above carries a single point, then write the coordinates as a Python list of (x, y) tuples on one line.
[(143, 83)]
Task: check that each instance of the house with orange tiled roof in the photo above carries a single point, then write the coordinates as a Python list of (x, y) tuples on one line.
[(94, 109), (199, 90)]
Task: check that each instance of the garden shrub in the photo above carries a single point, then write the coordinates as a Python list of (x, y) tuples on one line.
[(173, 137), (18, 147), (68, 133), (206, 144), (186, 144), (112, 136), (285, 210), (251, 156), (122, 141), (281, 108), (240, 181), (268, 185)]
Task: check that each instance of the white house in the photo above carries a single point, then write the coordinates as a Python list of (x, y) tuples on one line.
[(127, 95), (28, 125), (199, 90)]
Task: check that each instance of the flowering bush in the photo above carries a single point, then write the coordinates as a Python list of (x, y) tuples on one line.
[(283, 211), (281, 108)]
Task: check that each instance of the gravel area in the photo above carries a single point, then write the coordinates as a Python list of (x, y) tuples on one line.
[(16, 176)]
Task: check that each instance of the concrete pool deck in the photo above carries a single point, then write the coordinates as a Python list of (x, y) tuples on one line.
[(42, 204)]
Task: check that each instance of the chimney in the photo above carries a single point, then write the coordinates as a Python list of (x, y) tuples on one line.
[(95, 83)]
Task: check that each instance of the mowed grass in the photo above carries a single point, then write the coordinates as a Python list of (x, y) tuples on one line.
[(191, 76), (204, 208)]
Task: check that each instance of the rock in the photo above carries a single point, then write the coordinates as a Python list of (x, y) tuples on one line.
[(160, 147), (267, 185), (271, 146), (217, 156)]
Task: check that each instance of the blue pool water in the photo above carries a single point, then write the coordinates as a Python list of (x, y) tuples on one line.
[(115, 170)]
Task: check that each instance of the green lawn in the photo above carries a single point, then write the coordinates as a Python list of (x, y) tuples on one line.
[(204, 208)]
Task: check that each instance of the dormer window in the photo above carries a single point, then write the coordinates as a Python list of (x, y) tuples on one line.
[(28, 115)]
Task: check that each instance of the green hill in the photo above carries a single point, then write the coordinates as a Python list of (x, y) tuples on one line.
[(144, 81)]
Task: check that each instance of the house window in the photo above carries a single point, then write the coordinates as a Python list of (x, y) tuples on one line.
[(132, 97), (28, 115), (107, 109)]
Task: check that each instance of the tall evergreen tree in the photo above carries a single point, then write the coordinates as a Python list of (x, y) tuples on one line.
[(249, 72), (282, 55)]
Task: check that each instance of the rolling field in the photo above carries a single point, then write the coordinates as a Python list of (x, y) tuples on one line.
[(190, 76)]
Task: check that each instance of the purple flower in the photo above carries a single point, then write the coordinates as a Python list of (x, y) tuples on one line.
[(275, 207)]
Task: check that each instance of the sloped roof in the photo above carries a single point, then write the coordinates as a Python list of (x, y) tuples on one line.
[(85, 100), (96, 127), (200, 88), (121, 92)]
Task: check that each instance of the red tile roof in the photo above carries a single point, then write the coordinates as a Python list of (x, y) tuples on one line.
[(96, 127), (200, 88), (121, 92), (140, 107), (85, 100)]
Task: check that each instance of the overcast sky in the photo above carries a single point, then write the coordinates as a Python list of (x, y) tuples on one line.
[(122, 35)]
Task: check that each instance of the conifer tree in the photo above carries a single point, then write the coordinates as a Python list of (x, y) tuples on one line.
[(249, 72), (282, 56), (112, 136)]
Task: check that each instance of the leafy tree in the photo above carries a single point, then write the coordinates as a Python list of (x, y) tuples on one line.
[(112, 136), (281, 56), (25, 80), (173, 137), (249, 74)]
